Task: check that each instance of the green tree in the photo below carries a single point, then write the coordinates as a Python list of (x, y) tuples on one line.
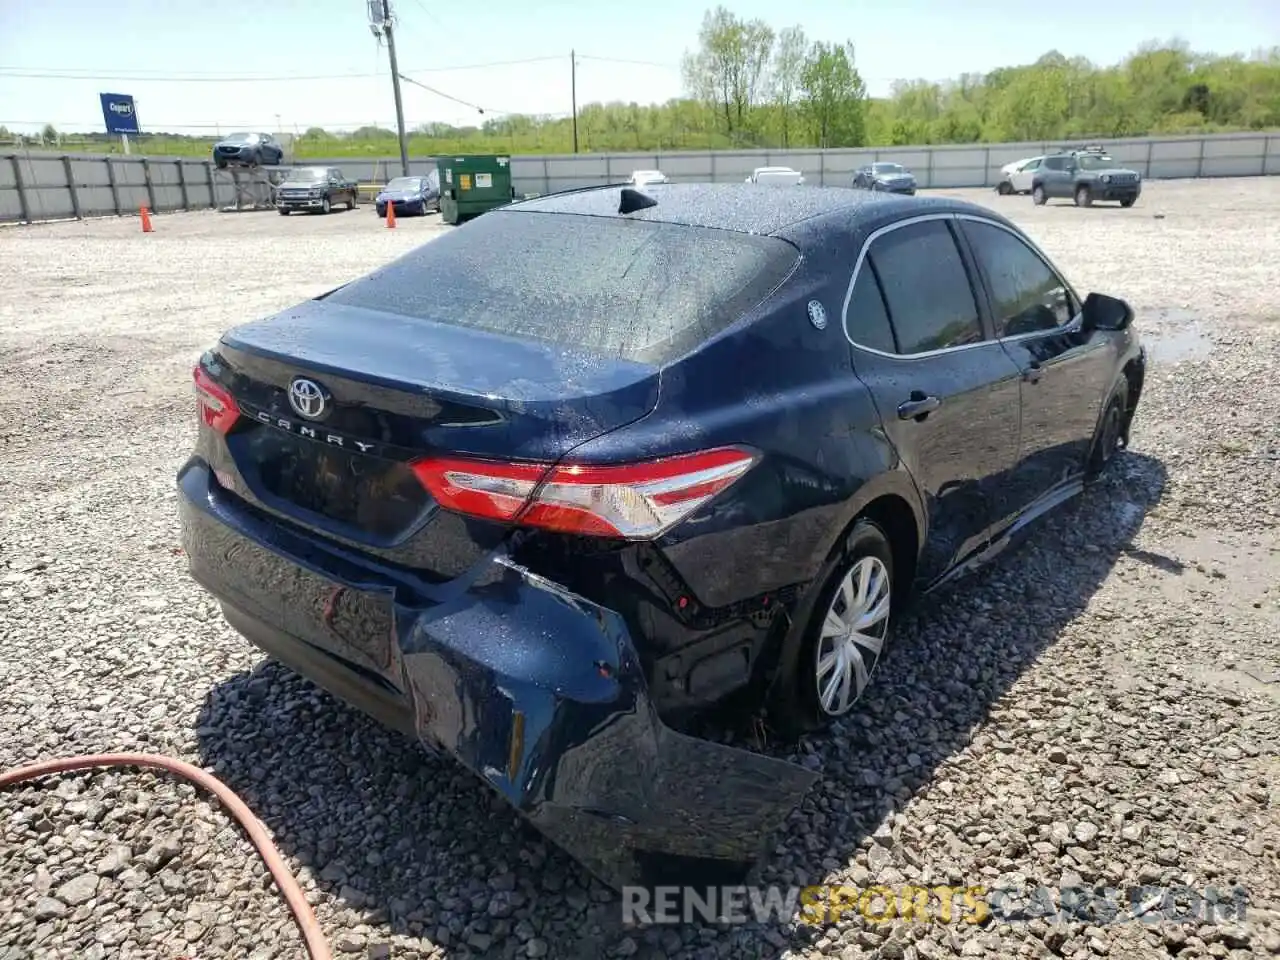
[(834, 96), (730, 66), (49, 134), (788, 64)]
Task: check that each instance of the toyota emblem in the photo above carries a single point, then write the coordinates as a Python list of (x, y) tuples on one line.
[(307, 398)]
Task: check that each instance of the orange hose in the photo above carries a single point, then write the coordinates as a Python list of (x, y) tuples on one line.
[(302, 913)]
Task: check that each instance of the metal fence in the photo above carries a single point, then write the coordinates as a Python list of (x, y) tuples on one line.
[(46, 186)]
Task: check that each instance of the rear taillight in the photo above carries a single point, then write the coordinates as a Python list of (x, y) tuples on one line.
[(218, 409), (635, 501)]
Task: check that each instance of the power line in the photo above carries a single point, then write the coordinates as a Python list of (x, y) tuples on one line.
[(30, 74), (638, 63), (430, 16), (439, 93)]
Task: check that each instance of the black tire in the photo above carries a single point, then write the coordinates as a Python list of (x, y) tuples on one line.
[(325, 206), (220, 164), (351, 204), (1038, 196), (1004, 188), (1129, 202), (283, 212), (795, 705), (1108, 438), (1083, 196)]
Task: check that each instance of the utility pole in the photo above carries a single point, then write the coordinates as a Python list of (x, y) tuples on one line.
[(380, 24), (573, 92)]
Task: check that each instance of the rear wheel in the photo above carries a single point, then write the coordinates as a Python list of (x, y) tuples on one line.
[(1038, 196), (351, 204), (845, 634), (1084, 196)]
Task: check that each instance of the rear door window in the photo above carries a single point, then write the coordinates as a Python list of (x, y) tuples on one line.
[(632, 289), (868, 320), (926, 288)]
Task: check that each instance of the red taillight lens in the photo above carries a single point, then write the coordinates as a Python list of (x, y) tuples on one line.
[(636, 500), (218, 409)]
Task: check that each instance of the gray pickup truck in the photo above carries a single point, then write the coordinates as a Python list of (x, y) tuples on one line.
[(316, 189), (1085, 176)]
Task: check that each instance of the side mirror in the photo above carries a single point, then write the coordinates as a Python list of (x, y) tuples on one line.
[(1101, 312)]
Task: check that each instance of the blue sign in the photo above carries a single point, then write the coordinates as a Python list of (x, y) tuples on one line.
[(119, 113)]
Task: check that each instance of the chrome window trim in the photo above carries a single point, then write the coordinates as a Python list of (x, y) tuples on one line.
[(927, 218)]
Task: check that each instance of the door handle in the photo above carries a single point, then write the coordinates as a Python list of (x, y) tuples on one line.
[(1032, 373), (918, 407)]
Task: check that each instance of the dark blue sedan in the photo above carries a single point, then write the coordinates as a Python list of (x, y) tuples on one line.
[(410, 195), (545, 488)]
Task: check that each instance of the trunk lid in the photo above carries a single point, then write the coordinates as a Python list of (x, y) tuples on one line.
[(385, 389)]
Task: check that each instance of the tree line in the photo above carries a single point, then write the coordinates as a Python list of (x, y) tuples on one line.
[(748, 85)]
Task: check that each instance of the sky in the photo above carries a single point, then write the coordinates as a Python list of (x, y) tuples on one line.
[(222, 65)]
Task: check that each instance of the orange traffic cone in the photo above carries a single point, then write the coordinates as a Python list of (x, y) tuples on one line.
[(146, 220), (391, 215)]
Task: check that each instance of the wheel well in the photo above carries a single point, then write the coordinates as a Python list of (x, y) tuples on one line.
[(1134, 373), (895, 516)]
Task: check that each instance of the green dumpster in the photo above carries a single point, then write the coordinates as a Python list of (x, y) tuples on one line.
[(472, 185)]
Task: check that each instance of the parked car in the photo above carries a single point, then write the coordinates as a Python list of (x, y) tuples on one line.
[(1085, 176), (776, 176), (1016, 177), (886, 178), (248, 150), (518, 512), (408, 195), (640, 178), (316, 189)]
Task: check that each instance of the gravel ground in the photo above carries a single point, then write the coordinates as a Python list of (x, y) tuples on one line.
[(1101, 706)]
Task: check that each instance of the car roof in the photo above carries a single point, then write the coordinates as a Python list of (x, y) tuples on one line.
[(737, 206)]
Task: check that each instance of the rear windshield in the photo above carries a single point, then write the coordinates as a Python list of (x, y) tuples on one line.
[(632, 289)]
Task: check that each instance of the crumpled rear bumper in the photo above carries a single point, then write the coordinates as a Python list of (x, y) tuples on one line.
[(538, 691)]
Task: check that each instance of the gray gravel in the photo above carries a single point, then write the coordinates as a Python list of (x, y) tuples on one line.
[(1100, 706)]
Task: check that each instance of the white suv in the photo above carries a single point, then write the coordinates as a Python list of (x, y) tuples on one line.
[(1016, 177)]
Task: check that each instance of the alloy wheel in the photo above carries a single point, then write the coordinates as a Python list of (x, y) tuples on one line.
[(853, 635)]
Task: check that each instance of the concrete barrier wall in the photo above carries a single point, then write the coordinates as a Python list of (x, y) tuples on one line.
[(46, 186), (42, 186)]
